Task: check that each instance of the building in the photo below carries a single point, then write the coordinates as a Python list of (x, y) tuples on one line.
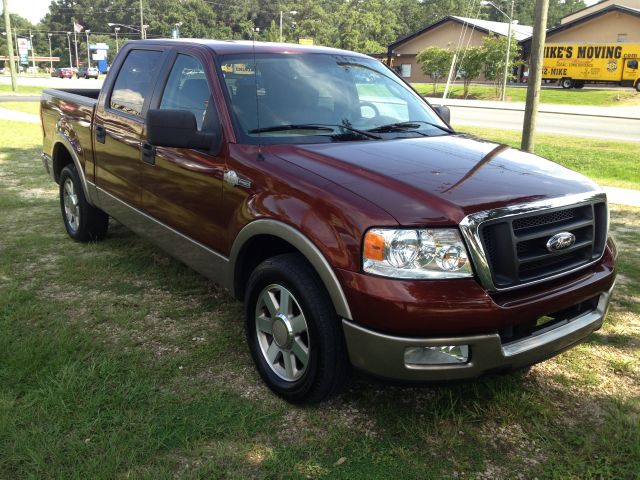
[(450, 32)]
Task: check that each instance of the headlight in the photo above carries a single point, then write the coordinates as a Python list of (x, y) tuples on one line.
[(424, 253)]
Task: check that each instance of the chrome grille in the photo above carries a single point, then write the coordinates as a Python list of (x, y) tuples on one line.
[(515, 245)]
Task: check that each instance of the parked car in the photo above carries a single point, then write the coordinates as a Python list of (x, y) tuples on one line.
[(358, 228), (62, 73), (88, 72)]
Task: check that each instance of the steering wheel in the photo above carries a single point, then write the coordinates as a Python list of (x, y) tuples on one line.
[(372, 106)]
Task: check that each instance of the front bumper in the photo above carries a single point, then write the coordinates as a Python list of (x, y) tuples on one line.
[(384, 355)]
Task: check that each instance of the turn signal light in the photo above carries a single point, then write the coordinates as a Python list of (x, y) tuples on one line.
[(374, 246)]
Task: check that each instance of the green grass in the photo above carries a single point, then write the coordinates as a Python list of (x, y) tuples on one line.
[(611, 163), (599, 98), (118, 362), (26, 107), (22, 89)]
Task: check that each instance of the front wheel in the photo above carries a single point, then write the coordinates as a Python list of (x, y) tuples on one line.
[(638, 86), (294, 334), (83, 221)]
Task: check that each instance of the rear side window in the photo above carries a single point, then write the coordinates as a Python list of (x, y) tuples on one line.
[(187, 89), (135, 81)]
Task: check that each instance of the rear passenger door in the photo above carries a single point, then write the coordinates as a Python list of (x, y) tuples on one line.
[(119, 124), (182, 188)]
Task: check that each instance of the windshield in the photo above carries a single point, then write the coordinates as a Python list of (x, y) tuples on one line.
[(286, 97)]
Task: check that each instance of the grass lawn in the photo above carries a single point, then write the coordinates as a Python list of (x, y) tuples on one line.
[(22, 89), (611, 163), (599, 98), (26, 107), (117, 361)]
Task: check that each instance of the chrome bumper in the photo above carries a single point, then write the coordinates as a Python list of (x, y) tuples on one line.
[(383, 355)]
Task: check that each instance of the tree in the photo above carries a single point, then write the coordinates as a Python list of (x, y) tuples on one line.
[(495, 47), (435, 62), (470, 66)]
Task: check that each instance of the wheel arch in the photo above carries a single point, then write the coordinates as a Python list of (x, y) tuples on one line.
[(63, 154), (264, 238)]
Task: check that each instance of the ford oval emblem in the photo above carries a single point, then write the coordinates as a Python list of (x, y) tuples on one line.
[(560, 241)]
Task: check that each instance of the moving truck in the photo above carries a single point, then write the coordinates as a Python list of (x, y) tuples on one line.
[(573, 65)]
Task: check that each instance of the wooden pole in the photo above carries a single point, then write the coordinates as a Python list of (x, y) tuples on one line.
[(7, 26), (535, 75)]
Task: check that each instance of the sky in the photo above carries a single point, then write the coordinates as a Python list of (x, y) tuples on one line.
[(34, 10)]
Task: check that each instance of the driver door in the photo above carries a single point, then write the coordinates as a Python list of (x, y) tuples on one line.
[(630, 72)]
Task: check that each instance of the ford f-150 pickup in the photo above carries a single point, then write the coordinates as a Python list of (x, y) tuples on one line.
[(358, 228)]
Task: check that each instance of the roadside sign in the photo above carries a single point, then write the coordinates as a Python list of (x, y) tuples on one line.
[(305, 41), (24, 58)]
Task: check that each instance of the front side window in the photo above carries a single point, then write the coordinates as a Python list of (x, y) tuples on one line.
[(273, 96), (135, 81), (187, 89)]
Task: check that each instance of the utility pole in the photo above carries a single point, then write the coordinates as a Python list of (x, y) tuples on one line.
[(7, 27), (142, 32), (535, 74), (50, 56)]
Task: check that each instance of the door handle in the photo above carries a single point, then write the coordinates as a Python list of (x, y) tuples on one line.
[(101, 133), (148, 153)]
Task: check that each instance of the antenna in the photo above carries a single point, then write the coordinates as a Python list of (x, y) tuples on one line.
[(255, 79)]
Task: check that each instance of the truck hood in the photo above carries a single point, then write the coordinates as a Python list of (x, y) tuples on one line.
[(436, 180)]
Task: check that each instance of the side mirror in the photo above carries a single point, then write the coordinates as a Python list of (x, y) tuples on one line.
[(444, 112), (177, 129)]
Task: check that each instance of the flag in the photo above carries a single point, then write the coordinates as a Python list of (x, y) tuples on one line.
[(77, 27)]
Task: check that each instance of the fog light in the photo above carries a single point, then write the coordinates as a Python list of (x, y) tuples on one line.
[(436, 355)]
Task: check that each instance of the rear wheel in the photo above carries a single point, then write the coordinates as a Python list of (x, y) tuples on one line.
[(293, 332), (578, 84), (566, 83), (83, 221)]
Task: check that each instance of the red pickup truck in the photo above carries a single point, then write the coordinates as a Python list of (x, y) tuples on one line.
[(356, 226)]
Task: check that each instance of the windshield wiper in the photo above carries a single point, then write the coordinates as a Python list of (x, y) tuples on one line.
[(291, 126), (411, 124), (312, 126)]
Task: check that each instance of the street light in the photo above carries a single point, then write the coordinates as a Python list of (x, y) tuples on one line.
[(141, 32), (291, 12), (177, 29), (69, 43), (117, 29), (88, 50), (503, 95), (50, 56)]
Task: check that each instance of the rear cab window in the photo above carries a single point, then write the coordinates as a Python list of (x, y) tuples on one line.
[(135, 81)]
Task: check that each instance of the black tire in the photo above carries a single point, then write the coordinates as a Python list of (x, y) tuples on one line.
[(566, 83), (578, 84), (638, 86), (328, 367), (87, 223)]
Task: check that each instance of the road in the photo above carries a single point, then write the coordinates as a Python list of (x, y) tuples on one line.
[(612, 123)]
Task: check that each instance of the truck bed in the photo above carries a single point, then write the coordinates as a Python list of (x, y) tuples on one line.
[(67, 115)]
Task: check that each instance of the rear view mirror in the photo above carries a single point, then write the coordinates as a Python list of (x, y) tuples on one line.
[(444, 112), (177, 129)]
